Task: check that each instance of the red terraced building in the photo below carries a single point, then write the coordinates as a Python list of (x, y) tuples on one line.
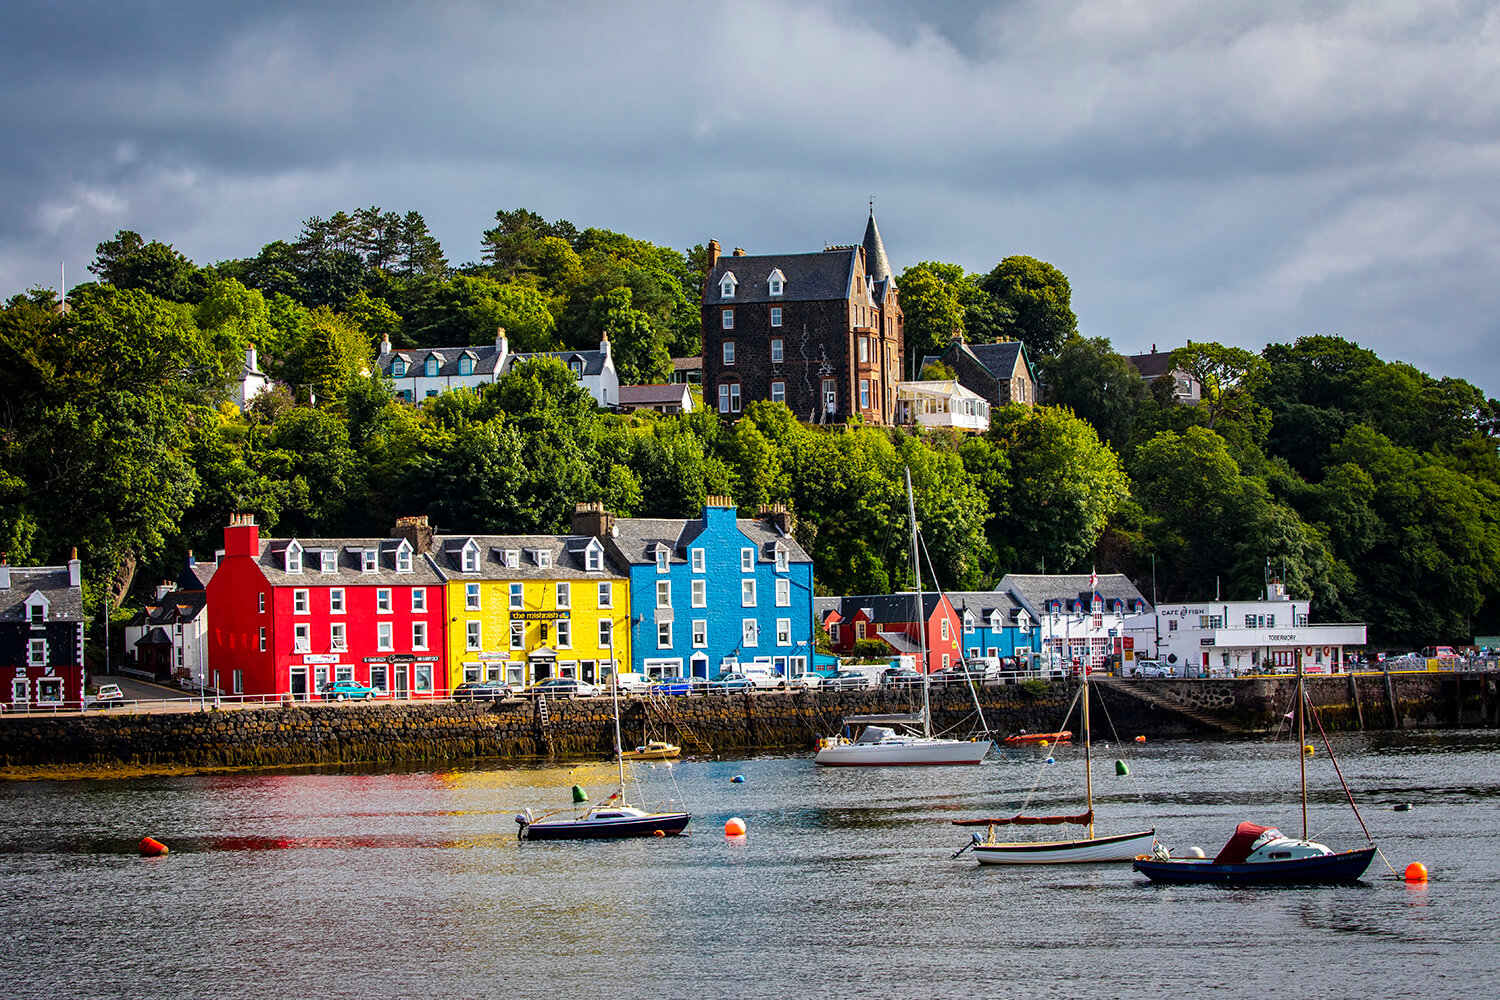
[(290, 614)]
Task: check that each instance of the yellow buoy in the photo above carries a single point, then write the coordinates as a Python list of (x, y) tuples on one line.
[(1308, 750), (1041, 743), (1416, 872), (734, 827)]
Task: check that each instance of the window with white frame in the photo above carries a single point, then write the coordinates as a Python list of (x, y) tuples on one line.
[(403, 560), (343, 672), (747, 560), (36, 652), (419, 598), (382, 601), (471, 559), (776, 283), (338, 639), (368, 561), (729, 397), (750, 632), (593, 559), (336, 600), (471, 597), (728, 352), (663, 593), (662, 557), (262, 638), (747, 593), (418, 635), (783, 559), (512, 558), (727, 285), (783, 631), (328, 560), (775, 315), (544, 558), (778, 392), (299, 602), (430, 367), (700, 593), (261, 603), (472, 635), (833, 632), (700, 633), (864, 394), (384, 636), (564, 596), (663, 635), (294, 559), (776, 350), (517, 635), (516, 597), (945, 630), (238, 682), (466, 365), (564, 634), (302, 638), (699, 559), (606, 633), (783, 593), (830, 395), (606, 595), (728, 321)]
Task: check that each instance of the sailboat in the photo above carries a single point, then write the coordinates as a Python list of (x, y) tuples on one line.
[(1118, 847), (879, 744), (1263, 855), (611, 819)]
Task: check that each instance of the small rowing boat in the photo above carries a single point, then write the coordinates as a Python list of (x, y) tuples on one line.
[(1025, 737), (655, 750)]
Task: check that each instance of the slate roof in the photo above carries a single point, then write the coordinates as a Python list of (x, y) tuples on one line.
[(64, 603), (593, 361), (810, 277), (982, 602), (176, 606), (347, 564), (155, 637), (637, 539), (1153, 365), (485, 356), (565, 557), (884, 607), (692, 364), (1033, 591), (195, 575), (650, 395), (876, 262), (999, 358)]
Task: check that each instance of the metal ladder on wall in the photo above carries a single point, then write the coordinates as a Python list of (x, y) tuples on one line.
[(544, 722), (662, 711)]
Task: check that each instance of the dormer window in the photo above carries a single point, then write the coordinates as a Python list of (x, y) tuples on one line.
[(328, 560), (470, 558), (576, 367), (398, 368), (512, 558), (403, 559), (661, 558), (593, 559), (466, 365), (777, 282), (543, 558), (1097, 604), (367, 561), (37, 613), (430, 368), (294, 558), (782, 558), (727, 285)]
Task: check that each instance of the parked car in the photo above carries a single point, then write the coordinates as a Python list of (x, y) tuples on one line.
[(900, 677), (564, 687), (765, 679), (732, 681), (108, 694), (1438, 653), (632, 683), (680, 685), (1149, 668), (962, 673), (846, 680), (806, 681), (344, 690), (483, 691)]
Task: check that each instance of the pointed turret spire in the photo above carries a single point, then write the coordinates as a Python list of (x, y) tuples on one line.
[(876, 262)]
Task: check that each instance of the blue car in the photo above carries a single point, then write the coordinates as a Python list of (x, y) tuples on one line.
[(732, 681), (344, 690), (680, 685)]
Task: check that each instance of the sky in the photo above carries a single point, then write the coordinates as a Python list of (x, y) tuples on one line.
[(1243, 171)]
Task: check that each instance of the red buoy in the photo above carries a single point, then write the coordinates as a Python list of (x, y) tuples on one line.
[(152, 848)]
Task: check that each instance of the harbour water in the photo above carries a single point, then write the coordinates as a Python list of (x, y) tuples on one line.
[(411, 883)]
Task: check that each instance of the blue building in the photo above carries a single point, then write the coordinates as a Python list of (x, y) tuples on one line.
[(994, 623), (711, 594)]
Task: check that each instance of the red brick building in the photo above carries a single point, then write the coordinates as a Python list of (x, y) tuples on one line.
[(821, 332), (290, 615)]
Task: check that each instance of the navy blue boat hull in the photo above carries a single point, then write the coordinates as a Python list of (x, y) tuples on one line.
[(1329, 868), (670, 825)]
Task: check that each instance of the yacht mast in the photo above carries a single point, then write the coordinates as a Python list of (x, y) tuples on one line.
[(916, 568), (1302, 744), (1088, 760)]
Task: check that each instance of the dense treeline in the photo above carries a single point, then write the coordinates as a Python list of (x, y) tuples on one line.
[(1370, 486)]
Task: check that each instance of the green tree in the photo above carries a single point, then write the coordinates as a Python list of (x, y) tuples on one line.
[(127, 261), (640, 357), (1098, 385), (1229, 377), (1039, 300)]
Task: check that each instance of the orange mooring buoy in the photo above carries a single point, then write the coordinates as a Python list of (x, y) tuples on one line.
[(1140, 739), (1416, 872), (734, 827), (152, 848)]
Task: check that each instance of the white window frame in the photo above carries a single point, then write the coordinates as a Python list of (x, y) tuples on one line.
[(261, 603), (517, 593), (300, 603), (700, 560), (663, 558), (418, 635), (517, 635), (336, 603), (593, 559), (385, 636), (606, 594), (338, 637), (383, 601), (747, 560), (36, 653), (294, 558), (369, 561), (778, 350), (564, 596), (783, 631), (750, 632), (663, 593), (700, 633), (783, 593), (700, 593), (775, 315), (564, 633), (302, 637), (783, 559), (778, 392), (606, 634), (747, 593), (472, 599), (470, 559), (664, 635), (419, 598), (473, 635), (262, 638), (726, 351), (403, 560), (727, 319)]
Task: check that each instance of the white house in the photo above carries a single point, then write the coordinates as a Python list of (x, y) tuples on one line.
[(941, 403), (423, 372), (1080, 618), (252, 381), (1220, 638), (169, 637), (673, 398)]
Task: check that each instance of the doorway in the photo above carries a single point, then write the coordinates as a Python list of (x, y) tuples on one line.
[(400, 680), (297, 683)]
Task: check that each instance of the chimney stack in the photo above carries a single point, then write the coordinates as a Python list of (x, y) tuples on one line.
[(4, 573), (250, 359), (385, 344), (415, 530), (75, 569), (739, 251), (501, 344), (778, 517), (593, 520)]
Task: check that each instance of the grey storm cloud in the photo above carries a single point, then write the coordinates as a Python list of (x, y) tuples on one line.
[(1239, 171)]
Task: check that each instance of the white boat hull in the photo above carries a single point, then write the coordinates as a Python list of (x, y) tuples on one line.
[(903, 750), (1123, 847)]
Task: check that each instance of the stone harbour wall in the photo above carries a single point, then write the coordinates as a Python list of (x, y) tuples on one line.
[(725, 723)]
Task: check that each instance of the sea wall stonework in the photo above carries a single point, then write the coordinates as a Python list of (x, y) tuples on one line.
[(728, 723)]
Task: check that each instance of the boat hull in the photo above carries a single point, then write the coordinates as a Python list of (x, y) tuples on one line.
[(1348, 866), (670, 825), (916, 751), (1122, 847), (1058, 737)]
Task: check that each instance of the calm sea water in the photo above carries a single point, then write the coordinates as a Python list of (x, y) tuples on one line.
[(411, 883)]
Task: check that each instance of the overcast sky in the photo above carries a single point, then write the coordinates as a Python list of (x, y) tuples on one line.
[(1246, 172)]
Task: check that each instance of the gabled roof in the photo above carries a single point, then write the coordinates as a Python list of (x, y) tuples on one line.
[(64, 603), (1153, 365), (637, 538), (692, 364), (999, 359), (566, 557), (1033, 591), (810, 277), (593, 362), (647, 395), (485, 358), (982, 602), (173, 607), (348, 563), (882, 608)]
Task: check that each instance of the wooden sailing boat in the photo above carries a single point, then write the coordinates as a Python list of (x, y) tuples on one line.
[(880, 745), (1119, 847), (1262, 855), (613, 818)]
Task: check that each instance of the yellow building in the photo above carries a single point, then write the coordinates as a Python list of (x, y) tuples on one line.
[(522, 608)]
